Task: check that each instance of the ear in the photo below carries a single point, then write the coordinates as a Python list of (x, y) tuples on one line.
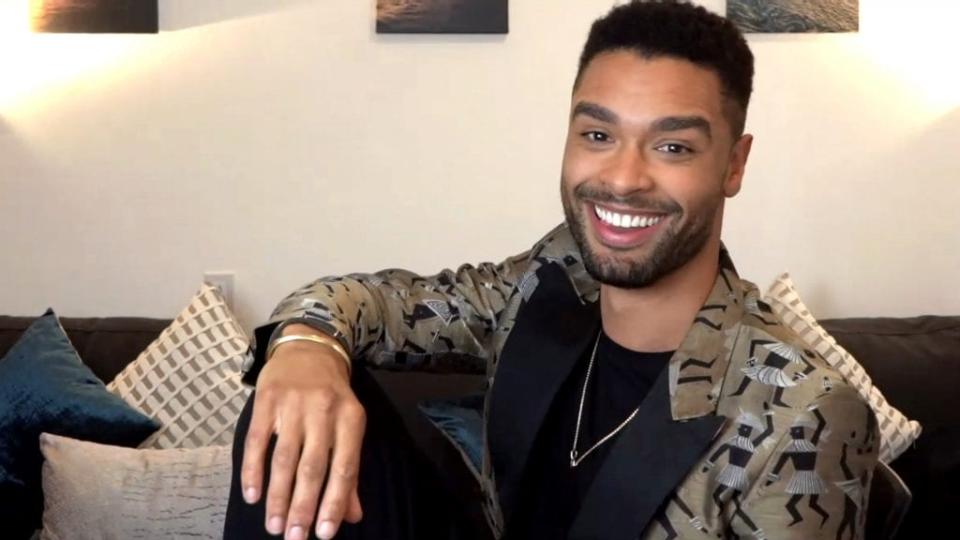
[(737, 165)]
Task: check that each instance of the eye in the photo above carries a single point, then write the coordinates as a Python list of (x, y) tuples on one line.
[(675, 148), (595, 136)]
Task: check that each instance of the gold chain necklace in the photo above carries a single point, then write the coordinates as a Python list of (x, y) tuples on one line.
[(575, 457)]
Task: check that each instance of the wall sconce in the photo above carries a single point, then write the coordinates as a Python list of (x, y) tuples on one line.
[(94, 16)]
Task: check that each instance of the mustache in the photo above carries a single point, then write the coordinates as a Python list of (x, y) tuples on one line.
[(638, 202)]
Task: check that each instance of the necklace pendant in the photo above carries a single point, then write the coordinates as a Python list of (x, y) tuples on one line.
[(573, 458)]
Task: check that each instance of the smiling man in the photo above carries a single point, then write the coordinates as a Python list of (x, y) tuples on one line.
[(638, 386)]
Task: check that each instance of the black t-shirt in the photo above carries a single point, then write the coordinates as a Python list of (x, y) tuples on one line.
[(551, 491)]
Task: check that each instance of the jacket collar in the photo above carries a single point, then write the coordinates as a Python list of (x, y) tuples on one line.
[(698, 367)]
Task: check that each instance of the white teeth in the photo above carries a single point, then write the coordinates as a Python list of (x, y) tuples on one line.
[(626, 221)]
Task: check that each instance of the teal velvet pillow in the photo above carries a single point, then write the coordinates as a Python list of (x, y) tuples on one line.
[(461, 420), (44, 386)]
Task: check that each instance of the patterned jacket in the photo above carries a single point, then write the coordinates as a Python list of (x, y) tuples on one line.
[(747, 433)]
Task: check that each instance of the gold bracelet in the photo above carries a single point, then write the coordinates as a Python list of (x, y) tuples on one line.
[(321, 340)]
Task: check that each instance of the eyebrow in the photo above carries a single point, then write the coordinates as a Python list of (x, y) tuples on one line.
[(665, 124), (595, 111), (680, 123)]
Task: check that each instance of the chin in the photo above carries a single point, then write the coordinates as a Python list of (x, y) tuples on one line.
[(644, 265)]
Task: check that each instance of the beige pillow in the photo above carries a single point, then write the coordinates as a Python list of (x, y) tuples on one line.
[(897, 432), (99, 492), (188, 379)]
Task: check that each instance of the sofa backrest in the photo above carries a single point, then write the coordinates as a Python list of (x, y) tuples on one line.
[(915, 362), (106, 345)]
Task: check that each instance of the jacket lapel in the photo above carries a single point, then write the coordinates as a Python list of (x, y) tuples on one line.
[(673, 428), (675, 424), (552, 330), (649, 459)]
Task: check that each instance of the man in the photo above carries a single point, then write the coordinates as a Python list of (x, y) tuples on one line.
[(638, 386)]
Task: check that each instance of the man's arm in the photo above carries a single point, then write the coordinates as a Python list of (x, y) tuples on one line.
[(399, 311), (303, 388), (823, 490)]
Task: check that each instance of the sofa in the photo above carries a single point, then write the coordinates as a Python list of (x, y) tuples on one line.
[(915, 361)]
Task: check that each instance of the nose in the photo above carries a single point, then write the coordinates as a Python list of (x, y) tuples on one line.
[(629, 171)]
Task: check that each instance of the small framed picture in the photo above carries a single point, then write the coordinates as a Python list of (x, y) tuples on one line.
[(442, 17), (94, 16), (795, 16)]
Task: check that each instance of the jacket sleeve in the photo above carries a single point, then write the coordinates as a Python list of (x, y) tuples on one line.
[(401, 320), (816, 483)]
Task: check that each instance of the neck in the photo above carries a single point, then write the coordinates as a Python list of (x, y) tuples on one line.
[(657, 317)]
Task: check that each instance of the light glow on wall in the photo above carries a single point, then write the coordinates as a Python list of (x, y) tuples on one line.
[(910, 45), (917, 46), (33, 64)]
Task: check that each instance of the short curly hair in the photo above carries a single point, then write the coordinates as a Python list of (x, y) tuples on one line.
[(678, 29)]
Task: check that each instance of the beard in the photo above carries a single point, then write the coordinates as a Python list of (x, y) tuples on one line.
[(686, 235)]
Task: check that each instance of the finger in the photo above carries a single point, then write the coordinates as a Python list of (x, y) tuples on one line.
[(255, 447), (286, 455), (344, 471), (311, 471), (354, 510)]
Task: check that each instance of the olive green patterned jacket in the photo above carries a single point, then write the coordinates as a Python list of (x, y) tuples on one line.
[(747, 433)]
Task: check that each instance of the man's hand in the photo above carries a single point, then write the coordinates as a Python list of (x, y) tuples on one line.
[(304, 396)]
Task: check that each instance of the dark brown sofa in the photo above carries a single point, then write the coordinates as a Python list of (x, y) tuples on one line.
[(915, 361)]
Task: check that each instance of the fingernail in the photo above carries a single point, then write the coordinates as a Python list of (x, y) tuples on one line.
[(250, 495), (295, 533), (275, 525), (326, 530)]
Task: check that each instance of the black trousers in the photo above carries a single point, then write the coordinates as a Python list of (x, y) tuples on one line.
[(401, 492)]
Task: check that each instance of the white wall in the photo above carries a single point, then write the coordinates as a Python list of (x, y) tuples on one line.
[(285, 140)]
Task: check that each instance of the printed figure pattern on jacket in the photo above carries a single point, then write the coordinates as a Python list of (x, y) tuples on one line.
[(794, 455)]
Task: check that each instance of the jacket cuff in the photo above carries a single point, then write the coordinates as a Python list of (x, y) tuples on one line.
[(264, 335)]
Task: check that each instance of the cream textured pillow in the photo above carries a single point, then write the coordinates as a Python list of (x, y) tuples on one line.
[(97, 492), (897, 432), (189, 377)]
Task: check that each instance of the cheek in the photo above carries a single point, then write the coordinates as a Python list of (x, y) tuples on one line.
[(698, 191), (571, 173), (569, 159), (579, 166)]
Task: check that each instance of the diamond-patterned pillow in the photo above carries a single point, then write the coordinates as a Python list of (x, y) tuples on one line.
[(897, 432), (189, 377)]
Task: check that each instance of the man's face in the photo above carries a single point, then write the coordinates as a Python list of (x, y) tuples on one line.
[(649, 159)]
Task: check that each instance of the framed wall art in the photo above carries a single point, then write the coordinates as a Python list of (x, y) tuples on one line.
[(442, 17), (94, 16), (795, 16)]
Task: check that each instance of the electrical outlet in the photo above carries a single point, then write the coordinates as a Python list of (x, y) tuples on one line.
[(222, 280)]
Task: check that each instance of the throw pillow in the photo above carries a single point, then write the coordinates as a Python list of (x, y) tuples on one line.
[(189, 377), (44, 386), (95, 491), (897, 432)]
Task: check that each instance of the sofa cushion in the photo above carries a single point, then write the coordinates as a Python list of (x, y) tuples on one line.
[(94, 491), (45, 387), (461, 421), (106, 345), (917, 363), (189, 377), (897, 432)]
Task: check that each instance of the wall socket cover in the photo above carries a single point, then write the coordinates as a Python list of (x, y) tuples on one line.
[(224, 281)]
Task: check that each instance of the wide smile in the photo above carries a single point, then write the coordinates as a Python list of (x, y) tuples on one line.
[(620, 228), (625, 220)]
